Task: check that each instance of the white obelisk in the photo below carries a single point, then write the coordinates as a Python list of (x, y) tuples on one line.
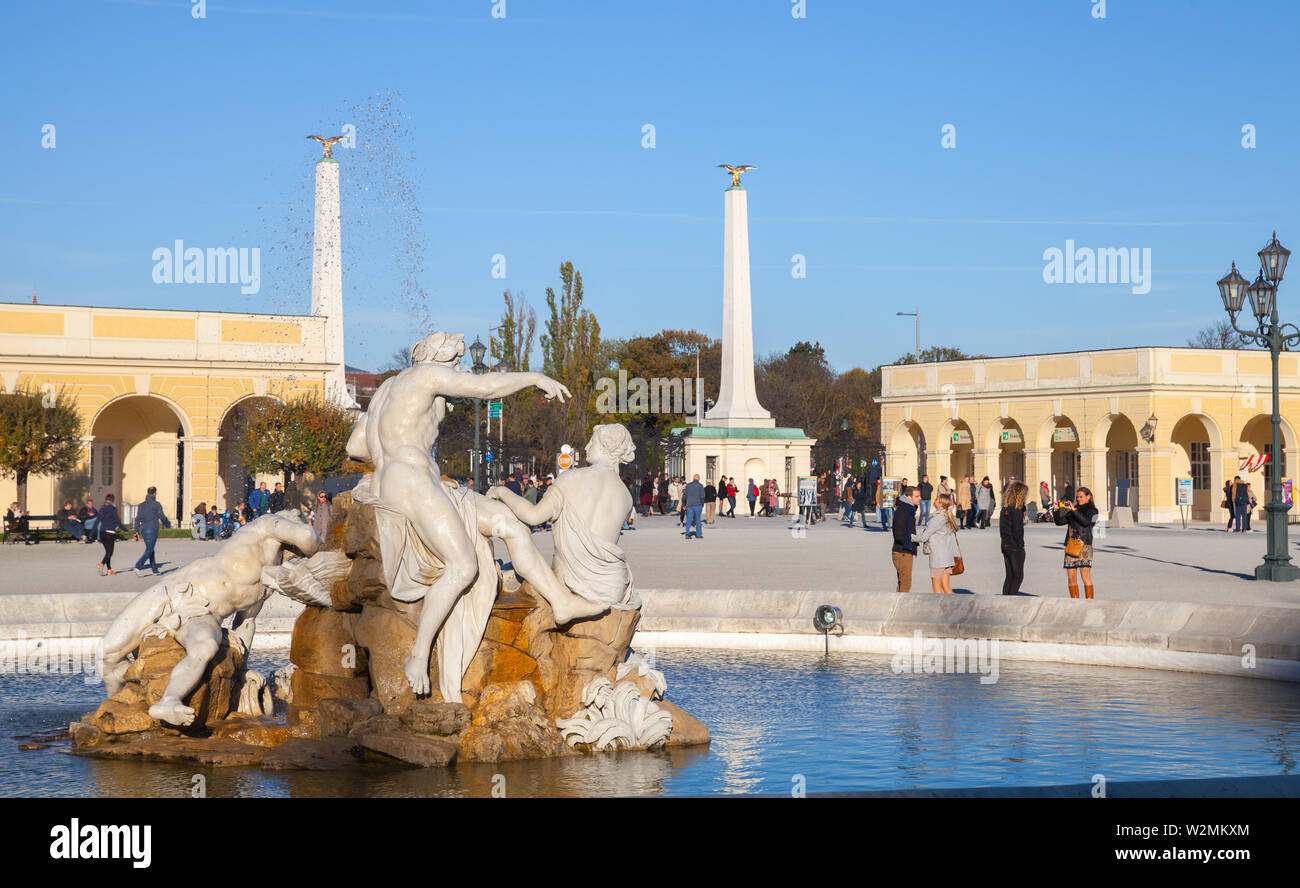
[(327, 277), (737, 405)]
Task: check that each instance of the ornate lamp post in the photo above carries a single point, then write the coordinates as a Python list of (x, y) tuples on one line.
[(1276, 337), (476, 352)]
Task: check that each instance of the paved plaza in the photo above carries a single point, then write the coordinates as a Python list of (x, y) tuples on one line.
[(1153, 563)]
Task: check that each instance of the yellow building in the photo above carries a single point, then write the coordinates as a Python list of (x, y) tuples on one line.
[(162, 394), (1126, 423)]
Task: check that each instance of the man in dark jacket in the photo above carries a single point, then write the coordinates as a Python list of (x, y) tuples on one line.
[(904, 550), (693, 502), (277, 498), (147, 518), (710, 502)]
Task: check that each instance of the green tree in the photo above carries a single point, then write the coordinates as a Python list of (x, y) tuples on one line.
[(305, 436), (40, 434), (571, 354), (513, 342)]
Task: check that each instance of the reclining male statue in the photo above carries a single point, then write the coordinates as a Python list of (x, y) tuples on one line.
[(397, 435), (192, 603)]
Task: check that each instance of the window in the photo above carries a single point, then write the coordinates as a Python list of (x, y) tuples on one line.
[(1200, 453), (710, 468), (106, 467)]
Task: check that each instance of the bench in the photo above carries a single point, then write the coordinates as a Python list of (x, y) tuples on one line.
[(38, 525)]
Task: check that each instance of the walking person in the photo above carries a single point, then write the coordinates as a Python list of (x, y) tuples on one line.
[(903, 552), (107, 527), (751, 495), (927, 489), (1078, 517), (963, 503), (693, 503), (1241, 504), (1229, 502), (985, 500), (1045, 497), (938, 539), (662, 491), (1011, 527), (147, 520), (731, 497), (859, 494)]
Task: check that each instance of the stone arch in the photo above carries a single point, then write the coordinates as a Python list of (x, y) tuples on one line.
[(1005, 445), (1256, 438), (956, 458), (1116, 477), (232, 476), (1059, 436), (138, 442), (1195, 440), (907, 451)]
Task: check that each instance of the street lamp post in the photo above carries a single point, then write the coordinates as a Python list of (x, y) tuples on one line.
[(476, 352), (1277, 337), (914, 314)]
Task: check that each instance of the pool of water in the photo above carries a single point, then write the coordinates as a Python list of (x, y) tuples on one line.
[(842, 723)]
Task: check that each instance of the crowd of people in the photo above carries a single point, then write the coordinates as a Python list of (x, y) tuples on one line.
[(935, 536), (90, 524)]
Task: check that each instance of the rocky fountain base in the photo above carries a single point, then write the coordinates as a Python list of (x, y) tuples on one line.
[(533, 690)]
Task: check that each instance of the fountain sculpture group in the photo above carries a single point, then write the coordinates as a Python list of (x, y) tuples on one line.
[(413, 644)]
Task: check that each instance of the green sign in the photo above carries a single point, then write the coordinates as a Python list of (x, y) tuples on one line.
[(494, 409)]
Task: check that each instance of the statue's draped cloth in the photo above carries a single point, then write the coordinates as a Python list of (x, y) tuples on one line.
[(590, 567), (410, 568)]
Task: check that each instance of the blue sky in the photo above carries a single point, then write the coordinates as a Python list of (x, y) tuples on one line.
[(522, 136)]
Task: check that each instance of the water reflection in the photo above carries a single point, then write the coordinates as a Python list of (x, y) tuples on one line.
[(845, 723)]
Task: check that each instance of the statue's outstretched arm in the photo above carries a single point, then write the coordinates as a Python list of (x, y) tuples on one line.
[(546, 509), (454, 384), (294, 533)]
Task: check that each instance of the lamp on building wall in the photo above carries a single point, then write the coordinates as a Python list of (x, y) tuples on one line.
[(1148, 431), (1277, 337)]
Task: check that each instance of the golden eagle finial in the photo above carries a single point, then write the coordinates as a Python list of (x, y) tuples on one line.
[(328, 144), (736, 171)]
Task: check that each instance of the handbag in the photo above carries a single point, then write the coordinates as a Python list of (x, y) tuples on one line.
[(1073, 546), (958, 566)]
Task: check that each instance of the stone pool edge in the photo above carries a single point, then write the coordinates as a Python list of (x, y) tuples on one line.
[(1178, 636)]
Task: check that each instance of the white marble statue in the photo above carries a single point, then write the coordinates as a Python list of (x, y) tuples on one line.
[(433, 534), (192, 603), (585, 507), (617, 716)]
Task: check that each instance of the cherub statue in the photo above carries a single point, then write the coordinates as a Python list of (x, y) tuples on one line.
[(191, 605)]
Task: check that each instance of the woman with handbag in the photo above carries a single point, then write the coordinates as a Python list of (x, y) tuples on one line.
[(1011, 527), (1078, 517), (939, 540)]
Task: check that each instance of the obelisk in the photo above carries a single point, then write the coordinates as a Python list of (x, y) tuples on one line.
[(737, 405), (327, 277)]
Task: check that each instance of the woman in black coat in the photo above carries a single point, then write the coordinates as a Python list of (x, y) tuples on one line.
[(1011, 527), (1079, 516)]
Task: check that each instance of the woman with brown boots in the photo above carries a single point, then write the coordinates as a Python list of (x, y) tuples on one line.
[(1079, 517)]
